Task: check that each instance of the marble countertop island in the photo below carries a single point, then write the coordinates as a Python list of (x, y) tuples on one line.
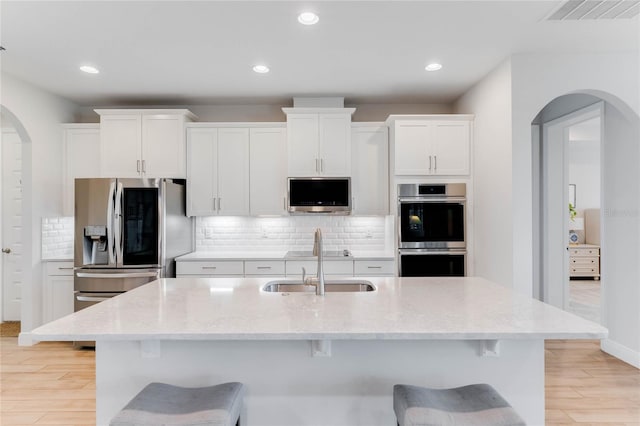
[(238, 309)]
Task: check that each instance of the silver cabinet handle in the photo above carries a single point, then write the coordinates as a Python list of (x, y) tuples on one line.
[(91, 299), (118, 275), (284, 203), (264, 267), (209, 267), (321, 165), (219, 204), (138, 166), (374, 267), (214, 204), (64, 269), (317, 168), (429, 163), (435, 163), (144, 166), (6, 250)]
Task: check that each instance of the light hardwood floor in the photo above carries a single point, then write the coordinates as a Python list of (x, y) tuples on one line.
[(53, 384)]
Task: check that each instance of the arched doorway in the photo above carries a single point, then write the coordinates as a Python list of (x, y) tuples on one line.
[(619, 213)]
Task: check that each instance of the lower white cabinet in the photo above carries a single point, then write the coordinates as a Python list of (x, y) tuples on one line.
[(255, 268), (372, 268), (57, 291), (331, 267), (210, 268)]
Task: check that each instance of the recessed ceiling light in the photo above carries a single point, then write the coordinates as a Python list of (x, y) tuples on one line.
[(308, 18), (261, 69), (433, 67), (89, 69)]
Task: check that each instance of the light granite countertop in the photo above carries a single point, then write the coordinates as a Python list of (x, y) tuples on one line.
[(281, 255), (466, 308)]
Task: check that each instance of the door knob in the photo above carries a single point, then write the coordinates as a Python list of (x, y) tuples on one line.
[(6, 250)]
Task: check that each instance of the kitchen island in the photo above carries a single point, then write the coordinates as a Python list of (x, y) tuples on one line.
[(320, 360)]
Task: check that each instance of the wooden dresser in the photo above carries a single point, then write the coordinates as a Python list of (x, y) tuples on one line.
[(584, 261)]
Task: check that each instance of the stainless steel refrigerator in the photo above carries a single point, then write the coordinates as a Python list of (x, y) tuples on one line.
[(128, 232)]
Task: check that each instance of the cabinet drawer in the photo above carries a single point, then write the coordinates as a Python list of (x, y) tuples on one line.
[(331, 267), (60, 268), (218, 267), (268, 267), (585, 271), (584, 252), (584, 261), (373, 267)]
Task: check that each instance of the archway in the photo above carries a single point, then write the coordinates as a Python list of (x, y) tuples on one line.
[(14, 269), (619, 212)]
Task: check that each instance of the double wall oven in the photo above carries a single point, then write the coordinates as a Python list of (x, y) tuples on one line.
[(431, 234)]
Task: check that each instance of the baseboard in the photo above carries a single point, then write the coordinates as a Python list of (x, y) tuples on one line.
[(621, 352)]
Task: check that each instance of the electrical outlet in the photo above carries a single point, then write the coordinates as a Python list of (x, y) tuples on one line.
[(263, 233), (208, 233), (368, 234)]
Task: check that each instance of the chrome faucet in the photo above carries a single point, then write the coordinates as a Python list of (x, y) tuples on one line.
[(318, 280)]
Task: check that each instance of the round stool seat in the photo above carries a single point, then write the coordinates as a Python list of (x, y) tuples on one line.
[(163, 404), (478, 404)]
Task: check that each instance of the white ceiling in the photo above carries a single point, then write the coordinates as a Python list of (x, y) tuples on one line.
[(202, 52)]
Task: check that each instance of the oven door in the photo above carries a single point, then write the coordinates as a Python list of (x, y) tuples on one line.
[(432, 223), (432, 263)]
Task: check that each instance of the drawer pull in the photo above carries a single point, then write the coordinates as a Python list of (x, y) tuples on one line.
[(65, 269), (264, 267), (374, 267), (209, 267)]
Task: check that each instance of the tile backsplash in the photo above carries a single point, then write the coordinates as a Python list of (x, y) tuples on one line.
[(57, 238), (293, 233)]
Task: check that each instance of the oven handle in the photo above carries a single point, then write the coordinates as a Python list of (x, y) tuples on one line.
[(431, 252), (451, 200)]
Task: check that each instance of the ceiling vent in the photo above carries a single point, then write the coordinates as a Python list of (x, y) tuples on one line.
[(580, 10)]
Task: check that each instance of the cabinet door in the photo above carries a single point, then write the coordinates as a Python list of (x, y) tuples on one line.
[(268, 171), (302, 144), (335, 144), (411, 148), (370, 170), (233, 171), (450, 147), (61, 296), (202, 180), (163, 147), (120, 145), (81, 160)]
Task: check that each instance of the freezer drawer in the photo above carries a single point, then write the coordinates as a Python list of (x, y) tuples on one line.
[(112, 280)]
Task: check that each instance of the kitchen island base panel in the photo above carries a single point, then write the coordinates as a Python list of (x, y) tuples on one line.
[(287, 386)]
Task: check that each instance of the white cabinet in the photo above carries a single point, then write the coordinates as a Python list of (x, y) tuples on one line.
[(57, 290), (267, 171), (319, 141), (431, 145), (81, 159), (293, 268), (370, 169), (143, 143), (217, 171), (256, 268), (374, 268), (210, 268)]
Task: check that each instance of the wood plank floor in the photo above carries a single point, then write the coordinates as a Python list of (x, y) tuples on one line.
[(53, 384)]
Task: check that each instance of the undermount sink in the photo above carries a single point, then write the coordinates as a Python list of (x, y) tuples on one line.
[(330, 286)]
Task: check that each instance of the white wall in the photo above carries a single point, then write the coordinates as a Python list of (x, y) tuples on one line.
[(537, 79), (490, 101), (40, 114), (584, 173)]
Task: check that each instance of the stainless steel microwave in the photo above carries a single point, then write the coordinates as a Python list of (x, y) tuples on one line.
[(320, 195)]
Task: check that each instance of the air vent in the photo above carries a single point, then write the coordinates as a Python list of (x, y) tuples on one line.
[(580, 10)]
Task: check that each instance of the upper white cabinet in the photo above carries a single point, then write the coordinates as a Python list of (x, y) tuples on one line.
[(143, 143), (268, 171), (319, 141), (370, 169), (217, 171), (431, 144), (81, 158)]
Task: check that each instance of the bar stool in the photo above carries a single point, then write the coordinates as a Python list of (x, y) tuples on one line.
[(163, 404), (478, 404)]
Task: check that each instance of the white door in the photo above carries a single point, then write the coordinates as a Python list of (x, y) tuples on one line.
[(233, 171), (370, 170), (120, 150), (267, 171), (202, 181), (11, 225), (335, 144), (163, 148), (450, 147), (411, 148), (302, 145)]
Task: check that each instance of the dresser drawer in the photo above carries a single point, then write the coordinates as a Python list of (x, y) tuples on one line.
[(573, 251), (267, 267), (585, 271), (211, 268), (60, 268), (584, 261), (373, 267)]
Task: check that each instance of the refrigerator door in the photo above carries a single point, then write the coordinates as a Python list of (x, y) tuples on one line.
[(112, 280), (139, 223), (94, 242)]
